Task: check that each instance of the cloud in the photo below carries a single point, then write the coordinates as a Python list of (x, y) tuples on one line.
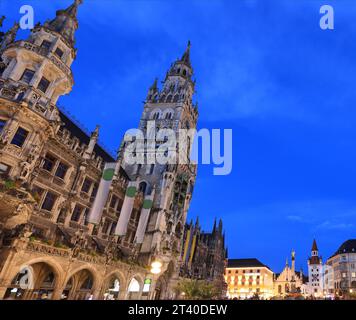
[(327, 225)]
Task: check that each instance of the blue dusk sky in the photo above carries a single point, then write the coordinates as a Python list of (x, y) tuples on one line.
[(265, 69)]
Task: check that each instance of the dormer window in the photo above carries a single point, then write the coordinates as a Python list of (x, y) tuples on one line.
[(43, 85), (59, 53)]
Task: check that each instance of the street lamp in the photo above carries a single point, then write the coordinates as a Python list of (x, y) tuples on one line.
[(156, 267)]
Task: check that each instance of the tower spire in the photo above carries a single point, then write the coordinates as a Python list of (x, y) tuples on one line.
[(186, 56), (314, 247), (65, 23)]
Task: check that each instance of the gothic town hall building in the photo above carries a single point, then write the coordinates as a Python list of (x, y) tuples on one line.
[(50, 174)]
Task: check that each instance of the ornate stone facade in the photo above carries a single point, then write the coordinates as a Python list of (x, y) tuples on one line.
[(204, 256), (290, 281), (50, 173)]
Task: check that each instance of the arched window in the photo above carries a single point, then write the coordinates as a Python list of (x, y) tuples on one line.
[(184, 72), (155, 115), (169, 99), (134, 286), (163, 98), (168, 115), (142, 187), (175, 99)]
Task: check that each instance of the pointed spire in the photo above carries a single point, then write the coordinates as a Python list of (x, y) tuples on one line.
[(10, 36), (197, 222), (95, 133), (214, 227), (154, 85), (186, 56), (220, 226), (65, 23), (314, 246)]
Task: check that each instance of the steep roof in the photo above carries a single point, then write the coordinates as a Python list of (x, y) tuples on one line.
[(314, 247), (83, 137), (245, 263)]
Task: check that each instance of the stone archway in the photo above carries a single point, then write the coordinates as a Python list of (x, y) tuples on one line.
[(36, 281), (134, 288), (79, 286), (113, 287)]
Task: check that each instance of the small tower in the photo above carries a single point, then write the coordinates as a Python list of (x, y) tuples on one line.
[(315, 272)]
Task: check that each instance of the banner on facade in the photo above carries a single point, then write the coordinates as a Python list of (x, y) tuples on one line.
[(126, 210), (103, 192), (145, 213)]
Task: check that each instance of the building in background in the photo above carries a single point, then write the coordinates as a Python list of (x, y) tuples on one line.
[(204, 254), (289, 281), (341, 270), (247, 278), (315, 273), (51, 172)]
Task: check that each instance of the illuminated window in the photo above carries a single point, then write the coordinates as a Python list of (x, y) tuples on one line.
[(134, 286)]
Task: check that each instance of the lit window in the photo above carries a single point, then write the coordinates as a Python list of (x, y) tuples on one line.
[(134, 286), (19, 137)]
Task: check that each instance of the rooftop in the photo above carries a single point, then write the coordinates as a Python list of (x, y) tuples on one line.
[(245, 263)]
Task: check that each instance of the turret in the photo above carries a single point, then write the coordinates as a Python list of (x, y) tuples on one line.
[(93, 140)]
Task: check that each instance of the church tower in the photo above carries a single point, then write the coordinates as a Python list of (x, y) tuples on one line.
[(315, 272), (168, 185)]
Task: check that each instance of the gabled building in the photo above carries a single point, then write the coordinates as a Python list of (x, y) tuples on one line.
[(290, 281)]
